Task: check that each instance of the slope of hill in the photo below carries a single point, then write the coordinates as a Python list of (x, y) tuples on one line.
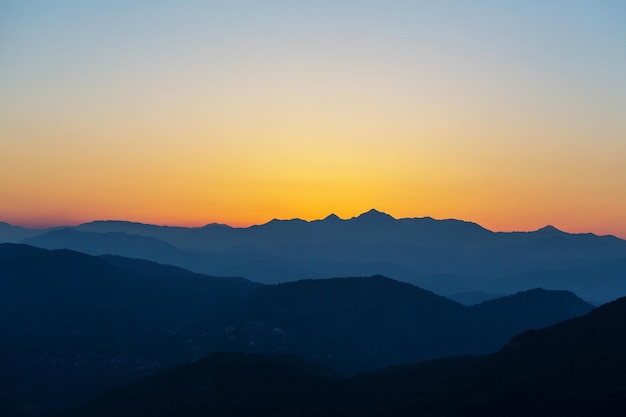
[(15, 234), (223, 384), (574, 368), (356, 324), (73, 324), (113, 243), (595, 282), (496, 321), (351, 324)]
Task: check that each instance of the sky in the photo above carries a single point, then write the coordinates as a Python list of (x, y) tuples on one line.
[(511, 114)]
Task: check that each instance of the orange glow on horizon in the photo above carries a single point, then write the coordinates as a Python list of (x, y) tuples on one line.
[(569, 225), (508, 116)]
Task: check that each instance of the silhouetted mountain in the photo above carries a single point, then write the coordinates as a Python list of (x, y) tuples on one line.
[(579, 360), (114, 243), (496, 321), (15, 234), (445, 256), (350, 324), (534, 305), (592, 281), (575, 368), (355, 324), (374, 217), (144, 267), (133, 228), (549, 230), (127, 245), (232, 384), (331, 218), (10, 251), (75, 324)]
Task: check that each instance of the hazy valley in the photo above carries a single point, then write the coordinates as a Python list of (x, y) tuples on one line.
[(444, 256)]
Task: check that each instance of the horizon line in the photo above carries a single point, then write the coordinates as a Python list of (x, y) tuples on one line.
[(247, 226)]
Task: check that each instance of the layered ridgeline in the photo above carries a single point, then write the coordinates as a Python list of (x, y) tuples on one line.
[(574, 368), (444, 256), (75, 324)]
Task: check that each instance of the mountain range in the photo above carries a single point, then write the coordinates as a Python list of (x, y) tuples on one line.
[(75, 324), (574, 368), (445, 256)]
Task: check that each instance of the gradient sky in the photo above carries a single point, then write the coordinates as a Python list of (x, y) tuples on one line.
[(511, 114)]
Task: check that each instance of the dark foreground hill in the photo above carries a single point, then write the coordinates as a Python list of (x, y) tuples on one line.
[(223, 384), (574, 368), (357, 324), (75, 324)]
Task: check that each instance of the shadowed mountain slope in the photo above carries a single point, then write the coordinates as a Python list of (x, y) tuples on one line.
[(223, 384), (354, 324), (574, 368), (595, 281), (113, 243), (75, 324), (15, 234)]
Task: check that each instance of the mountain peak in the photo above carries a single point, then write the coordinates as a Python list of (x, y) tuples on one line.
[(549, 229), (332, 217), (214, 225), (111, 222), (285, 221), (374, 215)]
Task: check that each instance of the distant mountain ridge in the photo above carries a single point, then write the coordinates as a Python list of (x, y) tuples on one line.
[(444, 256), (15, 234), (372, 216)]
